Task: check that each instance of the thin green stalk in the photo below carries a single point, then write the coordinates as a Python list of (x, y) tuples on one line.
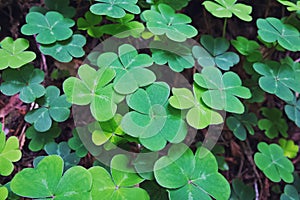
[(224, 28)]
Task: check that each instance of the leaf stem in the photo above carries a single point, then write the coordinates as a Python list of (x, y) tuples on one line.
[(224, 28)]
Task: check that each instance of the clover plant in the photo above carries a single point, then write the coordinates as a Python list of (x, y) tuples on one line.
[(292, 110), (49, 28), (130, 69), (152, 120), (166, 21), (175, 4), (290, 193), (273, 163), (28, 85), (273, 30), (290, 149), (89, 23), (248, 48), (56, 5), (76, 144), (227, 8), (199, 115), (190, 176), (53, 107), (3, 192), (273, 124), (39, 139), (13, 54), (9, 153), (48, 181), (241, 191), (214, 53), (115, 8), (222, 90)]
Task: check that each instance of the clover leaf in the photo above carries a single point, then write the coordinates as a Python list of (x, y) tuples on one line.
[(48, 181), (213, 52), (93, 88), (49, 28), (13, 54), (273, 124), (64, 51), (25, 80), (119, 184), (241, 191), (3, 192), (177, 55), (9, 153), (175, 4), (76, 144), (272, 30), (292, 110), (124, 27), (166, 21), (239, 124), (62, 149), (115, 8), (278, 79), (90, 23), (56, 5), (273, 163), (53, 107), (225, 8), (248, 48), (152, 120), (291, 6), (290, 193), (39, 139), (189, 176), (222, 90), (290, 149), (107, 132), (144, 164), (199, 115), (129, 67)]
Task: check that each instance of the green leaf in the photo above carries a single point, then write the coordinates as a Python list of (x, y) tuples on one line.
[(225, 8), (76, 144), (292, 110), (25, 80), (278, 79), (223, 90), (152, 120), (166, 21), (108, 131), (130, 68), (273, 163), (154, 190), (124, 27), (213, 52), (13, 54), (239, 124), (47, 181), (290, 193), (119, 184), (9, 153), (89, 23), (52, 107), (64, 51), (290, 149), (93, 88), (62, 149), (3, 193), (190, 176), (115, 8), (199, 115), (39, 139), (273, 124), (241, 191), (177, 55), (248, 48), (273, 30), (49, 28), (291, 6), (144, 164)]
